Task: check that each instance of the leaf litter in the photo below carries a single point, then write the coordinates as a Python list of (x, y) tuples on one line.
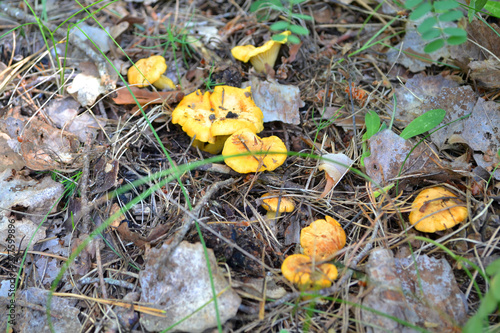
[(70, 124)]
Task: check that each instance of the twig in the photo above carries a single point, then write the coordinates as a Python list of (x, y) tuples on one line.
[(99, 268), (111, 281), (85, 227), (96, 57)]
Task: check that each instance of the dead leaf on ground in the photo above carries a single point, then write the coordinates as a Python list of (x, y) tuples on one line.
[(486, 73), (145, 96), (413, 45), (35, 197), (277, 101), (44, 147), (64, 114), (388, 156), (482, 133), (180, 285), (106, 174), (9, 159), (426, 296), (483, 37), (414, 93), (457, 102), (31, 312), (87, 85)]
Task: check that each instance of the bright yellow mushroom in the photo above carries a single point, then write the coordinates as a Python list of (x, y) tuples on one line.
[(262, 55), (262, 154), (149, 71), (436, 209), (275, 205), (301, 271), (211, 117)]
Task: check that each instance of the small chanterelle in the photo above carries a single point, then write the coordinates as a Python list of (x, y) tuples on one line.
[(436, 209)]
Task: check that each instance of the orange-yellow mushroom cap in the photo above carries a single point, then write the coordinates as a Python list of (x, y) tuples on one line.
[(436, 209), (149, 71), (260, 56), (299, 269), (323, 238), (221, 113), (272, 152), (276, 205)]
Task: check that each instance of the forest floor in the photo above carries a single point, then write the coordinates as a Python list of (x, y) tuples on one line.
[(113, 218)]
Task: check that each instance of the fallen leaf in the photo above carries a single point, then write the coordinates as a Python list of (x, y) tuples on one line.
[(486, 73), (44, 147), (414, 44), (180, 285), (64, 114), (277, 101), (35, 197), (145, 96), (388, 159), (87, 85), (31, 313), (423, 292)]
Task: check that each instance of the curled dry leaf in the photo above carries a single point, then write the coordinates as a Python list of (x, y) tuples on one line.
[(44, 147), (144, 96), (335, 167)]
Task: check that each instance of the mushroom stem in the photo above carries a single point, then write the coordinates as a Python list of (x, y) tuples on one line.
[(329, 185), (164, 83), (271, 215)]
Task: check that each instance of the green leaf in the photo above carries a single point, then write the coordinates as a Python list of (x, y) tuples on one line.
[(372, 122), (298, 30), (262, 4), (420, 11), (456, 40), (280, 25), (431, 34), (493, 268), (423, 123), (480, 4), (493, 7), (495, 287), (451, 16), (427, 25), (296, 2), (445, 5), (293, 39), (280, 38), (412, 3), (488, 305), (434, 46), (474, 325), (455, 32), (302, 17)]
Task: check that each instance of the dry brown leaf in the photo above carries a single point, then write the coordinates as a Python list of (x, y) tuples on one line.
[(44, 147), (145, 96)]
